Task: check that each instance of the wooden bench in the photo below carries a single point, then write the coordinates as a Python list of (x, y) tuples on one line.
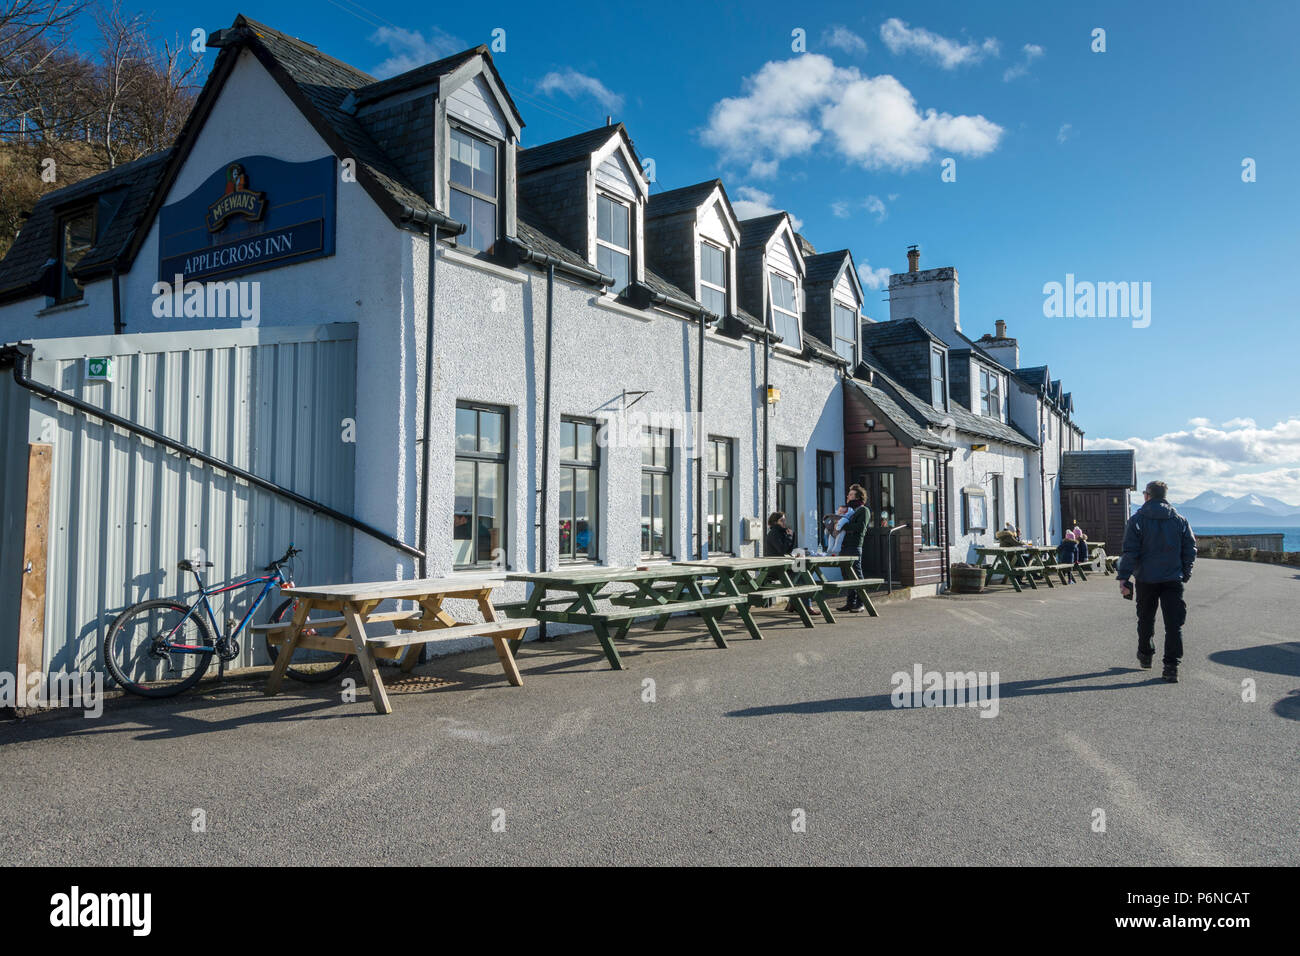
[(1112, 563), (1061, 570)]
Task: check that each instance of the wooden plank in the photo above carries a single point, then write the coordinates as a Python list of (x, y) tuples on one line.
[(339, 645), (502, 640), (36, 541), (325, 595), (300, 613), (485, 629), (355, 613)]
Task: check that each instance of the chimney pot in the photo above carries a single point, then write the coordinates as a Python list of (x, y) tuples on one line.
[(1001, 327), (913, 259)]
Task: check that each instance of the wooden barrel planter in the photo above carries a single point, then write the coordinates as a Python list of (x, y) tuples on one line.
[(966, 579)]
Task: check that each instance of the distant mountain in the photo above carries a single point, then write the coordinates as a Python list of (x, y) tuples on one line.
[(1213, 510), (1200, 518)]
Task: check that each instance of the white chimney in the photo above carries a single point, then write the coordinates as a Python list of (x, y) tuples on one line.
[(928, 295)]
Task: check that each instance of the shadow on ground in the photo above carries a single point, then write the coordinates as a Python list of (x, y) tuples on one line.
[(1021, 688)]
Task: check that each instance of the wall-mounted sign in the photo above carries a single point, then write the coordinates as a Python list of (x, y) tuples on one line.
[(99, 369), (251, 214)]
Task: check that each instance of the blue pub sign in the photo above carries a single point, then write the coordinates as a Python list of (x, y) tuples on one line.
[(252, 214)]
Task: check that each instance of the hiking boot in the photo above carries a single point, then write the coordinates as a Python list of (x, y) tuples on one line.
[(844, 608), (1144, 660), (1170, 674), (855, 610)]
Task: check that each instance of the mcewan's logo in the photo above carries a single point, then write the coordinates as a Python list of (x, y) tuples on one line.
[(238, 200)]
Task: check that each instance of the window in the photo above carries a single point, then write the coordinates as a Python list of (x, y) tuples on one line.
[(977, 512), (825, 491), (713, 278), (656, 492), (473, 177), (995, 502), (719, 463), (785, 311), (846, 332), (991, 404), (930, 502), (478, 523), (614, 241), (579, 490), (938, 380), (787, 487), (76, 236)]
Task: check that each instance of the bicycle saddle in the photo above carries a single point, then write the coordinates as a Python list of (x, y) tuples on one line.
[(188, 565)]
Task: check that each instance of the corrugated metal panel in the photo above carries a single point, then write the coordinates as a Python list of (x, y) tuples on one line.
[(125, 511), (13, 506)]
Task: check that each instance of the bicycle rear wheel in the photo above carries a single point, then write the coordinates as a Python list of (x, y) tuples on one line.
[(140, 648), (309, 665)]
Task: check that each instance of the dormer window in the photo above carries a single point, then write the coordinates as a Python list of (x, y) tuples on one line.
[(76, 236), (473, 177), (614, 241), (991, 394), (938, 380), (785, 311), (846, 332), (713, 278)]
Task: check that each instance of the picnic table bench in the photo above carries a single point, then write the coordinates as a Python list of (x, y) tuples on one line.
[(819, 564), (792, 577), (657, 592), (1016, 564), (356, 604), (1047, 559)]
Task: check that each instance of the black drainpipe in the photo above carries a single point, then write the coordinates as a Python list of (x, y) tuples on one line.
[(705, 318), (944, 575), (21, 371), (118, 325), (551, 263), (1042, 474)]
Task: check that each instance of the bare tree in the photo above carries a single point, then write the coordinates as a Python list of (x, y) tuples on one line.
[(32, 33)]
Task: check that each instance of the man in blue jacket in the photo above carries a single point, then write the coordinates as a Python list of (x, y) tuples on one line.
[(1159, 549)]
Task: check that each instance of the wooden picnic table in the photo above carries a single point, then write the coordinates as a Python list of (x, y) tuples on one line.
[(1013, 563), (1047, 555), (357, 605), (570, 596), (850, 579)]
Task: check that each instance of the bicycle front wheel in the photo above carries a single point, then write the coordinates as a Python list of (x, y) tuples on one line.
[(308, 665), (153, 649)]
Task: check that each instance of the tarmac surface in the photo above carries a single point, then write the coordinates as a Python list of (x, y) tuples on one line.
[(784, 751)]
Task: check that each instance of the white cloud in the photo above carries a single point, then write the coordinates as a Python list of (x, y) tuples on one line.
[(408, 49), (750, 203), (842, 38), (949, 54), (874, 205), (1064, 132), (1234, 458), (1029, 53), (790, 106), (873, 278), (574, 85)]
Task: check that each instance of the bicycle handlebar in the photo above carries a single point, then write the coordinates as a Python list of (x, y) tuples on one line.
[(289, 553)]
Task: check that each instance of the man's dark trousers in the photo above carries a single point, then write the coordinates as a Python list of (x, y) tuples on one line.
[(1169, 596), (854, 597)]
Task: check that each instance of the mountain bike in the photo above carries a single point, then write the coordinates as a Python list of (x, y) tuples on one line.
[(160, 648)]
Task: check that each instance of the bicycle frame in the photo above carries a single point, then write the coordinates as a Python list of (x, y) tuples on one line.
[(268, 581)]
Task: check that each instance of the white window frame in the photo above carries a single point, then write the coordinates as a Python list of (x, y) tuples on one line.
[(726, 275), (497, 201), (771, 301), (836, 338), (631, 235)]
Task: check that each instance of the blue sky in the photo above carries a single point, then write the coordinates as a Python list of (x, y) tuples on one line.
[(1117, 166)]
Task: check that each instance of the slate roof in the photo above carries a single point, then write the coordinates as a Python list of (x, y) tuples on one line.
[(570, 148), (1112, 468), (896, 332), (814, 347), (757, 232), (825, 266), (923, 413), (1035, 376), (22, 269), (914, 432), (685, 199)]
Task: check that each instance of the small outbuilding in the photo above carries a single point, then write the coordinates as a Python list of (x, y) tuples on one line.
[(1095, 487)]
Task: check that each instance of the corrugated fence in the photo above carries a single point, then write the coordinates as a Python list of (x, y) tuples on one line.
[(124, 510)]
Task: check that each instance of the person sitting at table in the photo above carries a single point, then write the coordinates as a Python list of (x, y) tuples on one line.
[(1066, 552), (1080, 544), (779, 544), (853, 524), (1009, 537)]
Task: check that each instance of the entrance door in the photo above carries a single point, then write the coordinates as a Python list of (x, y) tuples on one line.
[(881, 486), (1087, 508)]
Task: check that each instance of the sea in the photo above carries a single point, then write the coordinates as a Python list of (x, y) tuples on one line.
[(1290, 539)]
